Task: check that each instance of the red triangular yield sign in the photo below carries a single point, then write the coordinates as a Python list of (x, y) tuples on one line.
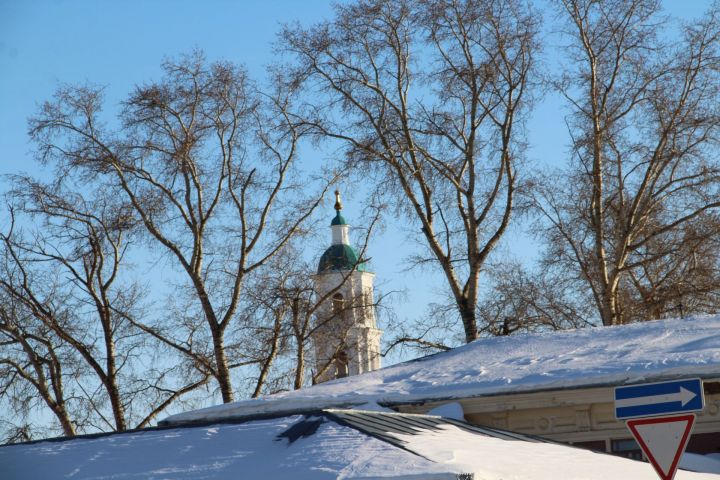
[(663, 439)]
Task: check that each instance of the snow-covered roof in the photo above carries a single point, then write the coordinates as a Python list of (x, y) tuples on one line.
[(649, 351), (319, 445)]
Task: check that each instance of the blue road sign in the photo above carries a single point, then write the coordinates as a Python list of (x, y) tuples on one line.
[(663, 398)]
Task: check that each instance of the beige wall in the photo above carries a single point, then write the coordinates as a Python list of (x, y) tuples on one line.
[(355, 327), (578, 415)]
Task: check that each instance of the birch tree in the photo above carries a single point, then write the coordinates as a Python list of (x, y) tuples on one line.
[(207, 163), (429, 96), (65, 339), (640, 193)]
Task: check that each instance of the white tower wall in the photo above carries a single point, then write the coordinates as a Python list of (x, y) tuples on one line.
[(350, 329)]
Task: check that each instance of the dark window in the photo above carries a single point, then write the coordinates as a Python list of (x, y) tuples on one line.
[(341, 365), (626, 447), (704, 443), (594, 445), (338, 303), (711, 388)]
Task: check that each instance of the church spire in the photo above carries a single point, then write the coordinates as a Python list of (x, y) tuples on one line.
[(340, 227), (340, 255), (339, 220), (338, 202)]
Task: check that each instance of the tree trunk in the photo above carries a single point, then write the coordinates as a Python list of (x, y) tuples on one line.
[(270, 358), (222, 372), (468, 314), (299, 367)]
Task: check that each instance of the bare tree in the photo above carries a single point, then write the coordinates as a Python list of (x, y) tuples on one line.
[(430, 96), (206, 162), (66, 297), (32, 364), (645, 170), (85, 264), (519, 300), (678, 274)]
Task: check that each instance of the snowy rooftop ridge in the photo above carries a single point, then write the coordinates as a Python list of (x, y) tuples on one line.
[(328, 445), (627, 354)]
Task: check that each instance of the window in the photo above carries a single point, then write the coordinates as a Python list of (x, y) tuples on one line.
[(338, 303), (341, 365), (626, 447), (704, 443), (594, 445)]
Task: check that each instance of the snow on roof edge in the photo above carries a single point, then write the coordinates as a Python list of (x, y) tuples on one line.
[(268, 407), (598, 357)]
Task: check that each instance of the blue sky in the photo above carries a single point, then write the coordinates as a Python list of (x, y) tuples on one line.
[(122, 43)]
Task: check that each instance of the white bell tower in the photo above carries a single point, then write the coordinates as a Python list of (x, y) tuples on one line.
[(347, 340)]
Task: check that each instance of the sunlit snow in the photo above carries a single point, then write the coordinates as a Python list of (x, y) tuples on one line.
[(649, 351), (252, 450)]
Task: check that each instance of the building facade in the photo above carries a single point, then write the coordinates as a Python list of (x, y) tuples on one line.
[(584, 417)]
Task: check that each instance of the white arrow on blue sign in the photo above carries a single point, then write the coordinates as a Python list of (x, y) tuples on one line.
[(662, 398)]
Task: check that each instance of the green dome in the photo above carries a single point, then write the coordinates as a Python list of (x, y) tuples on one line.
[(338, 220), (339, 258)]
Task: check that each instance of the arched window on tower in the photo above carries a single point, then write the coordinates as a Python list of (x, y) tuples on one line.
[(338, 304), (341, 364)]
